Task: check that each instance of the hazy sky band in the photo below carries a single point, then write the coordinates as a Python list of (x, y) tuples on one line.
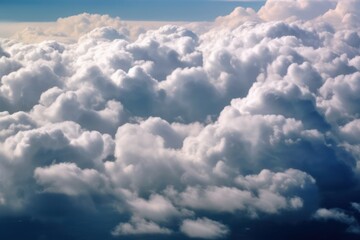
[(158, 10)]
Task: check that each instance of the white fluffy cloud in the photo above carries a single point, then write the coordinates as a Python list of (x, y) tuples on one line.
[(268, 193), (333, 214), (69, 179), (68, 29), (251, 120), (295, 9), (156, 208), (203, 228), (338, 215), (139, 226)]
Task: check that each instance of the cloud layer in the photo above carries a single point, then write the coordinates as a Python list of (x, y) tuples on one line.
[(185, 134)]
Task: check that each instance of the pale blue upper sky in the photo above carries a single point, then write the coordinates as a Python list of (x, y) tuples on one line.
[(159, 10)]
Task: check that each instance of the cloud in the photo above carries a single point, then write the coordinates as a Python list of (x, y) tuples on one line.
[(237, 17), (203, 228), (3, 53), (13, 123), (333, 214), (56, 105), (68, 29), (22, 89), (338, 215), (340, 92), (345, 14), (156, 208), (294, 9), (252, 121), (254, 194), (139, 226), (356, 206), (8, 65), (67, 178)]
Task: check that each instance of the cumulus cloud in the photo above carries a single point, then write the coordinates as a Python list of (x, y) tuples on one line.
[(333, 214), (340, 216), (344, 14), (157, 208), (190, 134), (3, 53), (68, 29), (255, 194), (203, 228), (22, 89), (67, 178), (295, 9), (139, 226)]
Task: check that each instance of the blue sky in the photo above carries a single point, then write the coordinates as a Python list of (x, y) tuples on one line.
[(155, 10)]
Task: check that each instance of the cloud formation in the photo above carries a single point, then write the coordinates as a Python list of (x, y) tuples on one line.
[(139, 226), (204, 228), (338, 215), (186, 134)]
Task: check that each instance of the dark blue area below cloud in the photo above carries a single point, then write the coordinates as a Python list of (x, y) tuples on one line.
[(88, 228), (59, 217)]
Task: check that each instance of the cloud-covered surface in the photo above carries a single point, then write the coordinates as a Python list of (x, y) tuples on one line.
[(247, 128)]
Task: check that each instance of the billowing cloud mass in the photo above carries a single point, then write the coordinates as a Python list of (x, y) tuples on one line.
[(246, 130)]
